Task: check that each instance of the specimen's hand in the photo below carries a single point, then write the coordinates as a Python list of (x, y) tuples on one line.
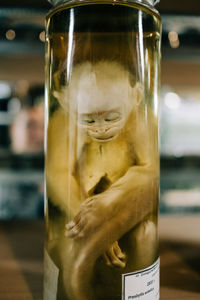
[(92, 213), (114, 256)]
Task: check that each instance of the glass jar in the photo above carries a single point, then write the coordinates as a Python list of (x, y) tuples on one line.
[(102, 157)]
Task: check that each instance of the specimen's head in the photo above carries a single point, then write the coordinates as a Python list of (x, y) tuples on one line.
[(103, 97)]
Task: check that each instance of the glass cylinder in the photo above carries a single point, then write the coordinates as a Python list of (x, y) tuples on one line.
[(101, 150)]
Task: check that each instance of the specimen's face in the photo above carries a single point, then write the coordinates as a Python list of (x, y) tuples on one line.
[(102, 113), (100, 97), (102, 126)]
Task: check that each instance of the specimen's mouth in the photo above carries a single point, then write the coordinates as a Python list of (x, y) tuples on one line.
[(103, 139)]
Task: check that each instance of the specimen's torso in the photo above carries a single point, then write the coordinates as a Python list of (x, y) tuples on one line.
[(101, 164)]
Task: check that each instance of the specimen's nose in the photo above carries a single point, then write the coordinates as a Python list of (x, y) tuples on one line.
[(101, 130)]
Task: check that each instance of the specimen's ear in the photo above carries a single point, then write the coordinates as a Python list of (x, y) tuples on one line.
[(60, 88), (137, 89), (62, 97), (138, 92)]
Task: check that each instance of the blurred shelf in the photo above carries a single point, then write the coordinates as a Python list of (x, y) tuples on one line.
[(9, 177), (9, 160), (174, 162), (179, 185)]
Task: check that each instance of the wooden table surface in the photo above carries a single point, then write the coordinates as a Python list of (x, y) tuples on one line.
[(21, 252)]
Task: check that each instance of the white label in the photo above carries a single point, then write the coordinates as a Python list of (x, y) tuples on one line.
[(143, 284), (51, 273)]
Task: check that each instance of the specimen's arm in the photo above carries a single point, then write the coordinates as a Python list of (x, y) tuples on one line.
[(62, 188), (135, 193), (134, 196)]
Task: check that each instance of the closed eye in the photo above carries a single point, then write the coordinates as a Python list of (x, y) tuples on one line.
[(113, 116), (89, 121)]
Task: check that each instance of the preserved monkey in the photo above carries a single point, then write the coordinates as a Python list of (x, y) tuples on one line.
[(102, 158)]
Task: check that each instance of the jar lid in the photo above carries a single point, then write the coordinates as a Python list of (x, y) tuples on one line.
[(151, 2)]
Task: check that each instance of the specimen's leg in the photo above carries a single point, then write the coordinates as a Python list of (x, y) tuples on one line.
[(144, 244), (77, 268), (79, 256)]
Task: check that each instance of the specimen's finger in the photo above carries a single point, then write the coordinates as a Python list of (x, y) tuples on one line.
[(73, 232), (77, 218), (110, 253), (74, 222), (118, 251), (85, 228), (70, 225), (107, 260), (81, 229), (118, 263), (114, 259)]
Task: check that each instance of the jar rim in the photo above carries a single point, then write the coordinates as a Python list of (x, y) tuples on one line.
[(151, 2)]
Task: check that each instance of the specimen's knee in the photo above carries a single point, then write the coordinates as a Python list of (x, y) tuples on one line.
[(81, 277), (74, 273), (145, 243), (146, 233)]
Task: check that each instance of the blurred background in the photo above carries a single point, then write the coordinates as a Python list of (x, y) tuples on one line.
[(22, 107)]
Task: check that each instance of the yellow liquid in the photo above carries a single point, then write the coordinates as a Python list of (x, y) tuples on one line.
[(108, 185)]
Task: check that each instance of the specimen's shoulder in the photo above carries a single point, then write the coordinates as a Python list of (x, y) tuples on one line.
[(57, 135), (143, 134), (58, 119)]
